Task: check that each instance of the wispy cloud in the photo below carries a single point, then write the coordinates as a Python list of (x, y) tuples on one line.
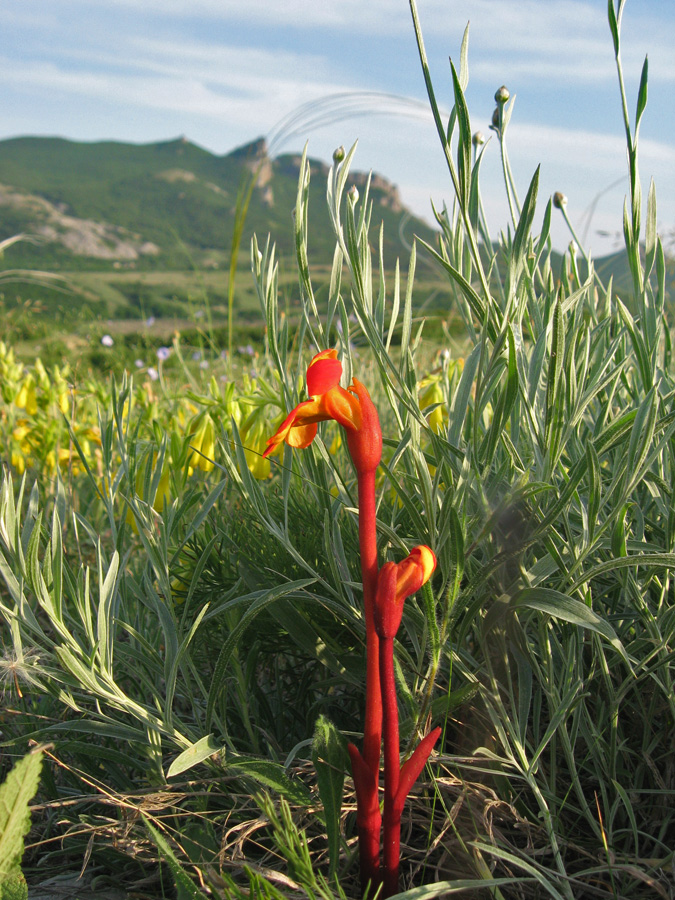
[(507, 20), (569, 30), (591, 150), (249, 88)]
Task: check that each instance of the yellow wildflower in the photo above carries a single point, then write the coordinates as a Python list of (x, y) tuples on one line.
[(254, 440), (162, 494), (18, 462), (431, 394), (26, 398), (203, 442)]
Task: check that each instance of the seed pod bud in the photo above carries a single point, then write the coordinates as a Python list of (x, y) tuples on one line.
[(559, 200), (502, 95), (353, 194), (495, 118), (338, 155), (478, 139)]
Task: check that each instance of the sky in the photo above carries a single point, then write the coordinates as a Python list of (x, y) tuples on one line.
[(330, 72)]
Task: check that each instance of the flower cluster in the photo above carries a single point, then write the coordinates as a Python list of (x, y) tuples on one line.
[(50, 425)]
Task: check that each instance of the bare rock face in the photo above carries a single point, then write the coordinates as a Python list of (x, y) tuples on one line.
[(388, 192), (177, 175), (390, 195), (290, 165), (267, 195), (255, 158), (264, 168), (84, 237)]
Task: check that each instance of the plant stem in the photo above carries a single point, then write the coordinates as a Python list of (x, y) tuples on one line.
[(368, 820), (392, 806), (372, 736), (366, 766)]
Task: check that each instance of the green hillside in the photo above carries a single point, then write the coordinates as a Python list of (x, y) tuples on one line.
[(163, 205), (143, 232)]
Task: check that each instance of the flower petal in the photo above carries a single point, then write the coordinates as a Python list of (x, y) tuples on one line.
[(365, 441), (414, 571), (301, 436), (343, 407), (299, 427), (412, 767), (323, 373)]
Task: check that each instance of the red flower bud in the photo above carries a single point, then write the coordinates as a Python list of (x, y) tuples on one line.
[(397, 581)]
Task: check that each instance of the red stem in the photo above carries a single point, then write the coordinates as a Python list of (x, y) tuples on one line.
[(392, 808), (368, 819), (372, 736)]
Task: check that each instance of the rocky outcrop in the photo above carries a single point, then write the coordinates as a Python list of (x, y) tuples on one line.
[(83, 237)]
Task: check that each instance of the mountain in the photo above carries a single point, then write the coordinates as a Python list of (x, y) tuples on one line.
[(164, 205)]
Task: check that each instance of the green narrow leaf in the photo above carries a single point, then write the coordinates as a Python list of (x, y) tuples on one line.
[(460, 403), (406, 325), (627, 225), (30, 520), (619, 547), (560, 713), (505, 401), (329, 758), (650, 233), (464, 59), (519, 862), (456, 552), (33, 556), (613, 25), (460, 886), (464, 141), (303, 633), (473, 299), (441, 706), (640, 442), (55, 555), (106, 608), (271, 775), (536, 366), (545, 230), (197, 753), (184, 884), (526, 217), (474, 193), (641, 100), (16, 792), (621, 791), (562, 606), (555, 367), (594, 487), (260, 600)]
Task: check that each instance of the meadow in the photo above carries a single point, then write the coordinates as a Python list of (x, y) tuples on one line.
[(184, 607)]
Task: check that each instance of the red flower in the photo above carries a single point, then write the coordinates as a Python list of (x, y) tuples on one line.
[(352, 409)]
